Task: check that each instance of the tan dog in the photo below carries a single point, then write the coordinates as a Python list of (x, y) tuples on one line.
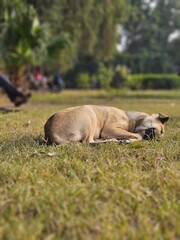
[(96, 124)]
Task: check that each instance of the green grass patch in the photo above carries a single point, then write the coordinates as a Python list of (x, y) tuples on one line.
[(76, 191)]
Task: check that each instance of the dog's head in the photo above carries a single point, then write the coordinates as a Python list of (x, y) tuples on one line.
[(151, 126)]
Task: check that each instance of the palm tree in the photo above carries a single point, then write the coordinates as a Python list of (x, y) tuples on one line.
[(21, 37)]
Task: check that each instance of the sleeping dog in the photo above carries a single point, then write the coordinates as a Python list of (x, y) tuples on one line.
[(98, 124)]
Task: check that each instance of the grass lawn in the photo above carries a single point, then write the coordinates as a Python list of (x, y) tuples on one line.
[(75, 191)]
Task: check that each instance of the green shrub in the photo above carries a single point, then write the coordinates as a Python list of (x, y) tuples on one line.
[(153, 81), (135, 81), (120, 76), (103, 77), (83, 81)]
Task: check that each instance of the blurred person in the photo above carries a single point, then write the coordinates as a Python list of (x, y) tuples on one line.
[(15, 96), (38, 80), (57, 82)]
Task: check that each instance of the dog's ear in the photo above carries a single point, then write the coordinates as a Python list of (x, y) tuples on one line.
[(139, 119), (163, 118)]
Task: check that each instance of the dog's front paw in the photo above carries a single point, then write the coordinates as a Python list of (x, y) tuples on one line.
[(124, 141)]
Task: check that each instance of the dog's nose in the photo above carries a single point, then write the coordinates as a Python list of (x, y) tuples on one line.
[(149, 134)]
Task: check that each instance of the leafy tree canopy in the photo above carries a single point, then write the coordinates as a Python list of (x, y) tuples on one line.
[(147, 31)]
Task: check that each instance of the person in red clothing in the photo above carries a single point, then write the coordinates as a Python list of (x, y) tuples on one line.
[(38, 80), (38, 76)]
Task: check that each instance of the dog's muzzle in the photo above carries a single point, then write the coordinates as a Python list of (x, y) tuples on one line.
[(149, 134)]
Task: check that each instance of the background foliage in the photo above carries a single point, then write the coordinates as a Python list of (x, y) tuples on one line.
[(78, 37)]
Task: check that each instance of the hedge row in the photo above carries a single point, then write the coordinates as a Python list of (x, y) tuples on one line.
[(153, 81)]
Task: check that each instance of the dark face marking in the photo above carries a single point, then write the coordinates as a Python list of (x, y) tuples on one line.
[(149, 134)]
